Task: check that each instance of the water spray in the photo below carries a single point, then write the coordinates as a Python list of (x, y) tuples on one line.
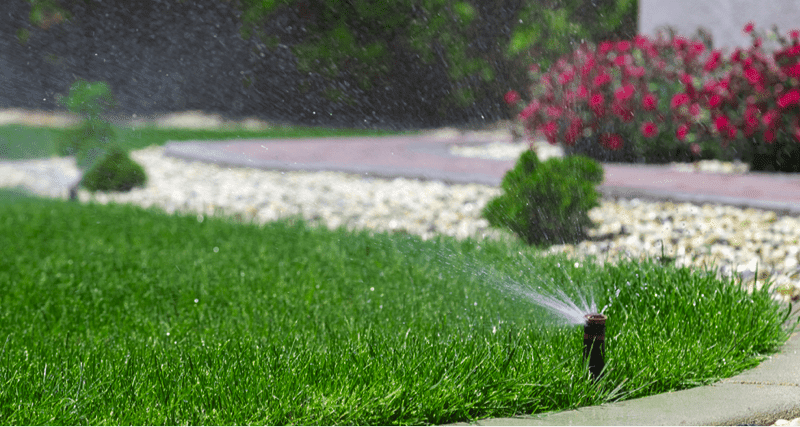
[(594, 342)]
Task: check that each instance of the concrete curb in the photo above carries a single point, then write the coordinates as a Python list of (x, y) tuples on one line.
[(759, 396)]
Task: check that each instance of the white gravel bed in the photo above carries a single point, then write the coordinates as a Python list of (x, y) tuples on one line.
[(735, 240)]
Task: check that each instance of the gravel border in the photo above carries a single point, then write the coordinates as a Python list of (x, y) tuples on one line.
[(738, 241)]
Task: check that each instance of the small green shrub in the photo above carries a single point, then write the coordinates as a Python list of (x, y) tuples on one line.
[(83, 140), (547, 202), (113, 170), (89, 99), (106, 165)]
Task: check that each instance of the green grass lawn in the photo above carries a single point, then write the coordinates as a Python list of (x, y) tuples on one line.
[(112, 314), (19, 142)]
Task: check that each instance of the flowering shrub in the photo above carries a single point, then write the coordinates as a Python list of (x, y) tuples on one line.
[(612, 101), (754, 103), (671, 99)]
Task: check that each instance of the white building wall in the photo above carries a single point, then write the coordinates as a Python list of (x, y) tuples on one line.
[(724, 19)]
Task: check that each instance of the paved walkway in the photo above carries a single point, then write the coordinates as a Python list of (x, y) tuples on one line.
[(756, 397), (428, 157)]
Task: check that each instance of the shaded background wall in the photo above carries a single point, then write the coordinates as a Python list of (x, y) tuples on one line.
[(724, 19), (161, 56), (165, 55)]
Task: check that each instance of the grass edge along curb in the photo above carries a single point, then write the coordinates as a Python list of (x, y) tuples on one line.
[(130, 316)]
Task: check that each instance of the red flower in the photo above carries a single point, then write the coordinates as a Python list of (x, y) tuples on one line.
[(528, 111), (750, 120), (789, 98), (587, 67), (795, 34), (714, 100), (625, 92), (694, 109), (511, 97), (566, 77), (713, 61), (604, 47), (697, 48), (641, 41), (623, 46), (682, 132), (678, 100), (611, 141), (649, 102), (636, 71), (597, 104), (695, 149), (581, 91), (753, 76), (790, 52), (770, 119), (687, 79), (792, 70), (623, 112), (649, 129), (679, 43), (550, 130), (748, 28), (721, 123), (574, 130), (769, 136), (602, 79), (553, 112)]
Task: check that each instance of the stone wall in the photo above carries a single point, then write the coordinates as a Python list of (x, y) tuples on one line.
[(163, 56), (724, 19)]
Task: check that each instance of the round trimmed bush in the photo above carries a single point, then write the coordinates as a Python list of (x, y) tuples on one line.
[(547, 203), (114, 170)]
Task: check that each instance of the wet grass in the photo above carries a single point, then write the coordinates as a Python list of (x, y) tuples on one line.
[(18, 142), (112, 314)]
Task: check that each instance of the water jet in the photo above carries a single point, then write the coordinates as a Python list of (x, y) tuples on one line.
[(594, 342)]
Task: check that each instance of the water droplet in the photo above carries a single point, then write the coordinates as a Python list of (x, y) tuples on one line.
[(167, 333), (216, 249), (195, 301), (371, 289)]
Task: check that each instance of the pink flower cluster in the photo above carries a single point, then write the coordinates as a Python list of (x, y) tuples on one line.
[(755, 95), (666, 90)]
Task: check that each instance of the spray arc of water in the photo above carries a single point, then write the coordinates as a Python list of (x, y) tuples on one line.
[(562, 305)]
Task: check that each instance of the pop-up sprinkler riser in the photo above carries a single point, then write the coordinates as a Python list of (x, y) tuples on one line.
[(594, 342)]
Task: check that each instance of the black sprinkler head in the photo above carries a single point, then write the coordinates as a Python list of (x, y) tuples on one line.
[(594, 343)]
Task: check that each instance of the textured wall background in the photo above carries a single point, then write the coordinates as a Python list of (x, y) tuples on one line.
[(723, 18), (164, 56)]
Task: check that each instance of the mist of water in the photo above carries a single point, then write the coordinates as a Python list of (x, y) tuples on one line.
[(555, 301), (545, 292)]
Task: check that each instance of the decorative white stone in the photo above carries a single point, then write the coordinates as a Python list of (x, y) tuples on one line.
[(735, 240)]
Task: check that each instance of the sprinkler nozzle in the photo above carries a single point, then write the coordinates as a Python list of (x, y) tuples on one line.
[(594, 342)]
